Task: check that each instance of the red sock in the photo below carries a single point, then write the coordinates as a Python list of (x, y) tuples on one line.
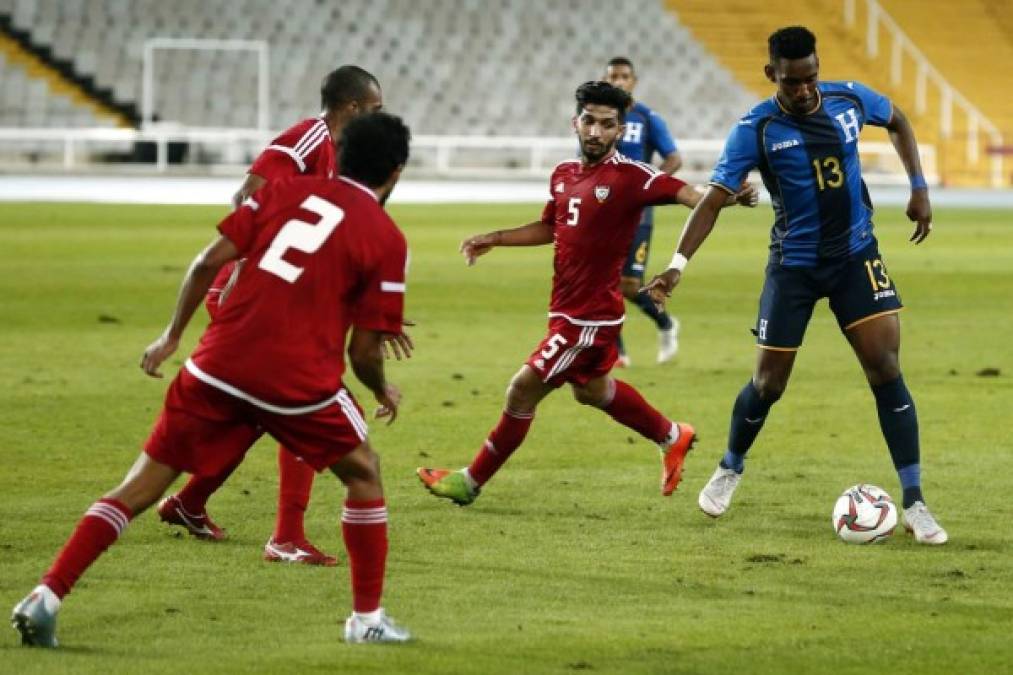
[(195, 494), (102, 523), (295, 480), (503, 440), (364, 527), (630, 409)]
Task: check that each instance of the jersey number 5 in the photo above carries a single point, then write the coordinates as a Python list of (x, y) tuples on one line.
[(573, 211), (302, 236)]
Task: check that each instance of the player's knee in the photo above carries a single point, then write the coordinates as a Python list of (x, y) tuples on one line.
[(630, 286), (770, 386), (586, 397), (362, 465), (885, 367), (521, 396)]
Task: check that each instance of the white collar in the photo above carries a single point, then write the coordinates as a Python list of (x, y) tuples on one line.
[(359, 185)]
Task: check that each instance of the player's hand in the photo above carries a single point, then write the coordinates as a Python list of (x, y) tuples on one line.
[(480, 244), (919, 211), (398, 344), (157, 352), (748, 195), (389, 399), (662, 285)]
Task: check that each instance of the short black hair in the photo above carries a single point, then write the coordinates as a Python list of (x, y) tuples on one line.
[(373, 146), (620, 61), (603, 93), (344, 85), (791, 42)]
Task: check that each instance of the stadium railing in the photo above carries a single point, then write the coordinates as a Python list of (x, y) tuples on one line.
[(493, 157)]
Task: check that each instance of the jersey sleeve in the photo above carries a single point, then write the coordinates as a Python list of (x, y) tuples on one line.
[(660, 188), (878, 108), (740, 156), (661, 136), (380, 305), (293, 152), (240, 226), (549, 210)]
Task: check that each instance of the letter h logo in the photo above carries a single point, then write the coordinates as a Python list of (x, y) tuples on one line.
[(849, 122)]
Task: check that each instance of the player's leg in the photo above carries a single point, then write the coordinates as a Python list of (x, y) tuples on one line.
[(188, 507), (102, 524), (877, 344), (289, 542), (866, 304), (625, 405), (632, 280), (526, 390), (786, 305)]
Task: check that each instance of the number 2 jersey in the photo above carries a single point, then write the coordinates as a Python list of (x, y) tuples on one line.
[(810, 167), (594, 211), (322, 256)]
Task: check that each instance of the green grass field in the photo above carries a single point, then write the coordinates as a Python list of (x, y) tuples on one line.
[(570, 560)]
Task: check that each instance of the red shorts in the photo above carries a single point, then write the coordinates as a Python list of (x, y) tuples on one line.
[(575, 354), (202, 430)]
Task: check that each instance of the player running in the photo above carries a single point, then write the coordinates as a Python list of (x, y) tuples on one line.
[(591, 217), (307, 149), (323, 259), (646, 134), (804, 140)]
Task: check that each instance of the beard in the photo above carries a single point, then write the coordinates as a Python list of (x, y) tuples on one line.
[(592, 153)]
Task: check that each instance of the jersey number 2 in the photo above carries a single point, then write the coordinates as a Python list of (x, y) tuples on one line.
[(302, 236)]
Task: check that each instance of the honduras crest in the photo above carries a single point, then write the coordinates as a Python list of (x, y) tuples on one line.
[(601, 192)]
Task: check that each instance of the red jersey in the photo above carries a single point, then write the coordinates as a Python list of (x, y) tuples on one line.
[(321, 255), (304, 149), (595, 211)]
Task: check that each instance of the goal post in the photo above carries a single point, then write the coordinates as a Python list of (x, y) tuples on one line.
[(260, 47)]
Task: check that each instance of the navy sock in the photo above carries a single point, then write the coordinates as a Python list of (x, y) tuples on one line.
[(748, 415), (899, 421), (661, 318), (620, 346)]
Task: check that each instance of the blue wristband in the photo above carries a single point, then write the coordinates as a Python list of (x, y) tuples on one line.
[(918, 182)]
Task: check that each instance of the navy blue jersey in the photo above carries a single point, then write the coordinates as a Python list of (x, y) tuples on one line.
[(810, 167), (646, 134)]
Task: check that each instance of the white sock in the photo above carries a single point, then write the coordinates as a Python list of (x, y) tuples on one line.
[(469, 480), (49, 599), (672, 437), (370, 618)]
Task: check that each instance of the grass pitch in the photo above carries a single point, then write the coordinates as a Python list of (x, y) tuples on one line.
[(570, 560)]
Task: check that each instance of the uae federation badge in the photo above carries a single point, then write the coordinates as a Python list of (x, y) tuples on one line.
[(601, 192)]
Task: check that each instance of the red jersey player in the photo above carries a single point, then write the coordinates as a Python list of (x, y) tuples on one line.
[(323, 260), (591, 218), (306, 149)]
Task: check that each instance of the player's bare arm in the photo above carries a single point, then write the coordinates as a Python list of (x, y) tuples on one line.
[(698, 227), (919, 210), (196, 283), (532, 234), (365, 354), (671, 163), (691, 195), (252, 183)]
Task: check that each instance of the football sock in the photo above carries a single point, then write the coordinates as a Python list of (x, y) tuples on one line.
[(101, 525), (195, 494), (364, 528), (660, 316), (295, 480), (899, 421), (748, 415), (911, 481), (630, 409), (501, 443), (620, 345)]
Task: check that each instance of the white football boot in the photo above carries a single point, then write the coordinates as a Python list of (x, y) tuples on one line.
[(35, 618), (668, 342), (716, 495), (383, 629), (919, 521)]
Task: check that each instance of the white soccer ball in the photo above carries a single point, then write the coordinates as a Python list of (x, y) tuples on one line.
[(864, 514)]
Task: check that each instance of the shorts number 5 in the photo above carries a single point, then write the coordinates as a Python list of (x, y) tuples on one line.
[(553, 345)]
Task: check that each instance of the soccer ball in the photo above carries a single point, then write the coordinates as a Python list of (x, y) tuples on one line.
[(864, 514)]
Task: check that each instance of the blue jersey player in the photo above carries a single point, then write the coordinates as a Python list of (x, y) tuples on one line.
[(803, 140), (646, 135)]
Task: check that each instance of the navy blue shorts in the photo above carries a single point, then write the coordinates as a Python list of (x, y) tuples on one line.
[(859, 288), (636, 258)]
